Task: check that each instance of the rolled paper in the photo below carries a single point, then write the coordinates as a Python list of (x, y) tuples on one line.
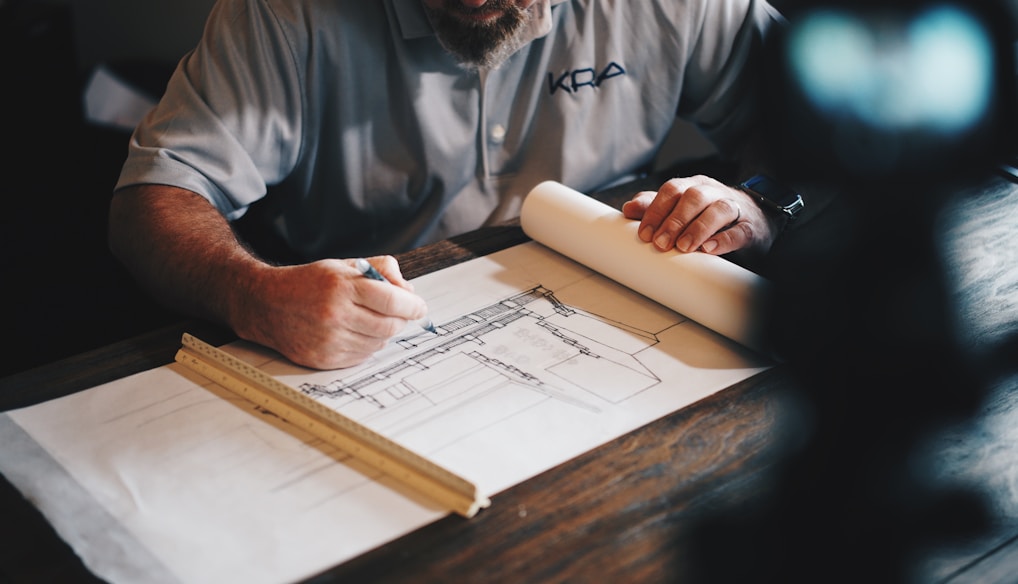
[(708, 289)]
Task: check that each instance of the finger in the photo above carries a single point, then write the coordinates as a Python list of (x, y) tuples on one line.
[(388, 266), (738, 216), (390, 306), (718, 216), (637, 206), (662, 205), (692, 203), (728, 240), (656, 213)]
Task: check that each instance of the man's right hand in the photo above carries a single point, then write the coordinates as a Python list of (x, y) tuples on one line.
[(326, 314)]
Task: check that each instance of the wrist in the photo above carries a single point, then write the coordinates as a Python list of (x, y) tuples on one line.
[(246, 298), (779, 202)]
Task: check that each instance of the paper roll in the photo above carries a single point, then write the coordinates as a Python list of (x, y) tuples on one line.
[(710, 290)]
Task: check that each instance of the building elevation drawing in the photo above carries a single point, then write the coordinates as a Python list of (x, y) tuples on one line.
[(530, 342)]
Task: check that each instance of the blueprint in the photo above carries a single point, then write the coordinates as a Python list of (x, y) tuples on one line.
[(163, 476)]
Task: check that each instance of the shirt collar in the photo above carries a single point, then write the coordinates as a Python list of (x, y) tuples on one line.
[(413, 22)]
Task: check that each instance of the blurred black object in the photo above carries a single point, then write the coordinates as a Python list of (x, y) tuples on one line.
[(893, 91), (867, 99)]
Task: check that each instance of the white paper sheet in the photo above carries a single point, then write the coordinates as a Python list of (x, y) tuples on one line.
[(539, 360)]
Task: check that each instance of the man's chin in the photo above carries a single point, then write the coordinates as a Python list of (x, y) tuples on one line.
[(491, 58), (481, 40)]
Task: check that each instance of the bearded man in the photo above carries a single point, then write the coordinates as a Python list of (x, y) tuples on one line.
[(361, 128)]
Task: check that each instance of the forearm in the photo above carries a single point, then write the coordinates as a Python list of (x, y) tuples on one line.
[(181, 250), (324, 314)]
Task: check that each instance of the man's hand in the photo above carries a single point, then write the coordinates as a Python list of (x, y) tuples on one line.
[(326, 314), (700, 213)]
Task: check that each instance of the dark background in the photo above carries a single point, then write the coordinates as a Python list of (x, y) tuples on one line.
[(63, 292)]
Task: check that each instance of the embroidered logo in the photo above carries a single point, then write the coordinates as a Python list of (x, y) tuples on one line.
[(577, 79)]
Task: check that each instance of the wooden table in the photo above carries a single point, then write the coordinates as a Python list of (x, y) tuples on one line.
[(657, 505)]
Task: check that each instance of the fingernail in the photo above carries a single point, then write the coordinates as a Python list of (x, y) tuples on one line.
[(683, 243), (709, 245), (646, 233), (662, 241)]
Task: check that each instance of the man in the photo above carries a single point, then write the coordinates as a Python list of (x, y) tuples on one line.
[(351, 128)]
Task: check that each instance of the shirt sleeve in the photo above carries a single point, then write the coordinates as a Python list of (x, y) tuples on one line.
[(229, 123), (722, 92)]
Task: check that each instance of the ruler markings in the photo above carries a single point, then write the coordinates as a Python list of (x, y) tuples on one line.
[(346, 434)]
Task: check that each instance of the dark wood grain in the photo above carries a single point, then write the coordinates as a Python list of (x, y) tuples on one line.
[(980, 237), (633, 509), (619, 513)]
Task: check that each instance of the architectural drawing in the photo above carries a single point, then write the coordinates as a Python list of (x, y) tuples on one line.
[(529, 342)]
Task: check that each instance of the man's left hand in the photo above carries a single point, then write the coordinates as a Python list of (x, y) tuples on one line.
[(699, 213)]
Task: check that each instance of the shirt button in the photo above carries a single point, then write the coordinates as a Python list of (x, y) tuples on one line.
[(497, 134)]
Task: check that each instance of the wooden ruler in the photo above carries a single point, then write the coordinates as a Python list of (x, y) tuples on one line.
[(444, 487)]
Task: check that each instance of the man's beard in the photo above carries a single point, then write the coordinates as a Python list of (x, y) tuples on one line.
[(480, 45)]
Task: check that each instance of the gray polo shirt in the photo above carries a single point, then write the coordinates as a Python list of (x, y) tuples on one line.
[(363, 136)]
